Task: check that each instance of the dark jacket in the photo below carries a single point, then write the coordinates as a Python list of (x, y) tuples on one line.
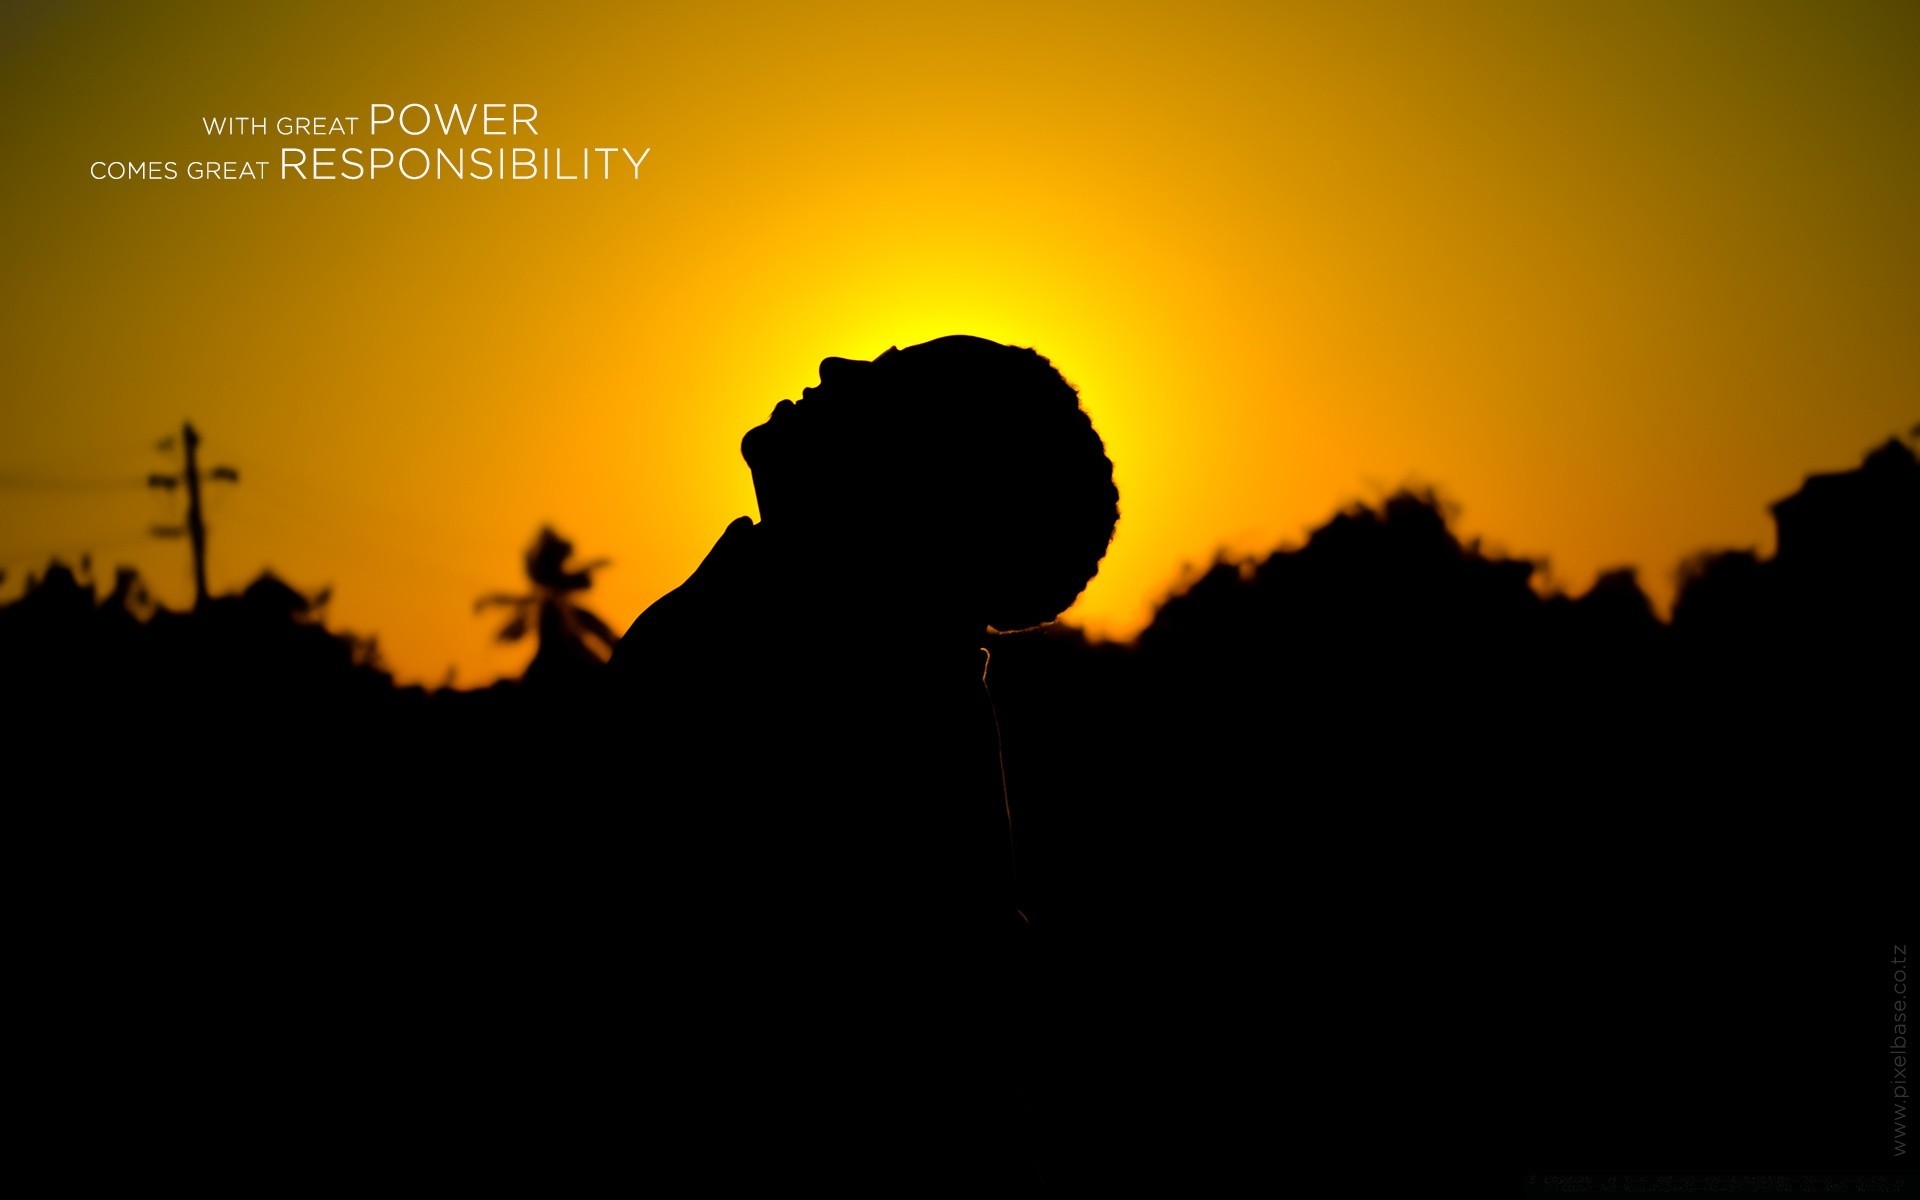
[(830, 868), (811, 775)]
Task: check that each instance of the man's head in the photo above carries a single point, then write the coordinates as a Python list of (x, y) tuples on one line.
[(959, 472)]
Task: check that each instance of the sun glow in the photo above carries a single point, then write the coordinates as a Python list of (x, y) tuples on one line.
[(1613, 279)]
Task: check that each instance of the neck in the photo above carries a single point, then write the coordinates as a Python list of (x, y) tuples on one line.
[(843, 585)]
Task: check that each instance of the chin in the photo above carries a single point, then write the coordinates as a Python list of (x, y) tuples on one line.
[(753, 444)]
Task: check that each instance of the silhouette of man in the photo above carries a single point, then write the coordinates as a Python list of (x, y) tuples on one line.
[(831, 847)]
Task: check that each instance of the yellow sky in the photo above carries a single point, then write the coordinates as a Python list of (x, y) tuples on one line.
[(1613, 276)]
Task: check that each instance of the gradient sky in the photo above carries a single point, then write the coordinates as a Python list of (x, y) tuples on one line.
[(1613, 276)]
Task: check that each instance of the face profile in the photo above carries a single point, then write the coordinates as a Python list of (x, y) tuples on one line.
[(805, 447), (959, 472)]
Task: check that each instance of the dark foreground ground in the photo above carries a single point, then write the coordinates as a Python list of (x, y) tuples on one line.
[(1363, 858)]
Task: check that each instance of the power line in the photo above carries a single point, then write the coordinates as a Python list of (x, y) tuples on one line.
[(407, 557), (337, 501), (73, 546), (30, 483)]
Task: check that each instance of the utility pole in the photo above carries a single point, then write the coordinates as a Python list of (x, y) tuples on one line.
[(196, 527)]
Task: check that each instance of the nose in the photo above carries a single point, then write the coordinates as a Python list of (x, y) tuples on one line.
[(836, 368)]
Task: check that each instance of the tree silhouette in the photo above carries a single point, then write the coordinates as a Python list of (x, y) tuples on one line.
[(572, 640)]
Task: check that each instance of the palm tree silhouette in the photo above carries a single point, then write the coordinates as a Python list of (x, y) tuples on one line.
[(572, 639)]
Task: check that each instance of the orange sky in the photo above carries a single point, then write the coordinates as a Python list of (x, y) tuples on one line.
[(1613, 275)]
